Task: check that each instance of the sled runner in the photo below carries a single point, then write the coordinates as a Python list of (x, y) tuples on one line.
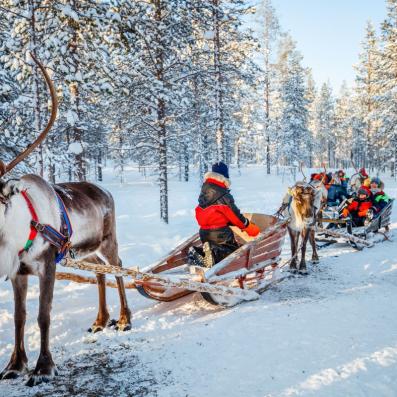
[(252, 267), (334, 227)]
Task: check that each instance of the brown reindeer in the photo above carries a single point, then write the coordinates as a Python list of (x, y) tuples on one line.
[(302, 205), (92, 214)]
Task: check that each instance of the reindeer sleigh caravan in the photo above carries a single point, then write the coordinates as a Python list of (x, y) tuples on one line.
[(74, 224), (335, 229), (362, 232)]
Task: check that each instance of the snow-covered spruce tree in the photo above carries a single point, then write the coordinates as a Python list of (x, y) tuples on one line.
[(367, 90), (387, 98), (24, 21), (250, 141), (154, 36), (9, 92), (271, 32), (311, 94), (345, 109), (325, 133), (228, 51), (294, 116), (74, 33)]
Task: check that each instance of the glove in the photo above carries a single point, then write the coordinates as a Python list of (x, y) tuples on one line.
[(362, 213), (345, 213), (252, 229)]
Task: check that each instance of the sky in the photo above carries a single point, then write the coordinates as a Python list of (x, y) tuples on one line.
[(329, 33)]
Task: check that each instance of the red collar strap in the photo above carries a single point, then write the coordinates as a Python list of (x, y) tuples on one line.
[(33, 231)]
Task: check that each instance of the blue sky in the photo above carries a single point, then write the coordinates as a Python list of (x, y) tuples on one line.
[(329, 33)]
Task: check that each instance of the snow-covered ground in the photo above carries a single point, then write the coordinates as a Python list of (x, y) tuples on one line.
[(332, 333)]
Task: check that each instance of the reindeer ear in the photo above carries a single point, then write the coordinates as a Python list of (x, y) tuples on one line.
[(10, 187)]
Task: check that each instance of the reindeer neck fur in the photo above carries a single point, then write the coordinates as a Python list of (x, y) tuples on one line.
[(301, 211), (15, 222)]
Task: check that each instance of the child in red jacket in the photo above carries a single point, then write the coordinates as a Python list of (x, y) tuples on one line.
[(359, 207)]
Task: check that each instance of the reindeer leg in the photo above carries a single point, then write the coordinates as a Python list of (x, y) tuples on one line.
[(45, 368), (18, 362), (108, 253), (103, 314), (312, 237), (302, 265), (294, 237), (124, 322)]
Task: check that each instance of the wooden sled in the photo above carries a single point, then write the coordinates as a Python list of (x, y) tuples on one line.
[(252, 267), (359, 237)]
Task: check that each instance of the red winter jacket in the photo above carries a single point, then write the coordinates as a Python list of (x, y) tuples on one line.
[(361, 207), (216, 207)]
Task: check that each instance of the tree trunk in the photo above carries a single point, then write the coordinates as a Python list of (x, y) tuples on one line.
[(99, 166), (79, 161), (161, 121), (219, 122)]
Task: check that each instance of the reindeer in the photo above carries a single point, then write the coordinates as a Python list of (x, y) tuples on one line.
[(92, 214), (302, 204)]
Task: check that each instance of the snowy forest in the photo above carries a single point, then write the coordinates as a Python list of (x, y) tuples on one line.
[(174, 85)]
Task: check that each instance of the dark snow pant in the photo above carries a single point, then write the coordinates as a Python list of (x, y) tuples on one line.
[(357, 220), (222, 242), (336, 194)]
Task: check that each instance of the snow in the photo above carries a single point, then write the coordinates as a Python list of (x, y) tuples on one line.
[(75, 148), (332, 333), (209, 35)]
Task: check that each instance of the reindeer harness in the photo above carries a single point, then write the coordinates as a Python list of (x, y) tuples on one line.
[(60, 240)]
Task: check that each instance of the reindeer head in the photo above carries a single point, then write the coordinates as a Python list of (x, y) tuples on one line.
[(302, 204), (303, 195), (7, 190)]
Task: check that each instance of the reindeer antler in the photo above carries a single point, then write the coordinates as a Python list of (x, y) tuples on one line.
[(301, 170), (325, 172), (7, 168)]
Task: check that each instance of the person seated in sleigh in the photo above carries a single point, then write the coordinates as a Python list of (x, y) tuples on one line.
[(358, 180), (323, 177), (215, 213), (337, 191), (379, 198), (360, 207)]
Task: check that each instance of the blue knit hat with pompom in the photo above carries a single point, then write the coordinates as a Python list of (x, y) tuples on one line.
[(221, 168)]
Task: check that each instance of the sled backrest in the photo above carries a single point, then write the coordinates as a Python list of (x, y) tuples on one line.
[(262, 220)]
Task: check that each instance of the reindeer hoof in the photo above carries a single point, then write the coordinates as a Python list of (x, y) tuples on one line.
[(303, 272), (316, 260), (13, 373), (95, 328), (36, 379), (10, 374), (123, 327)]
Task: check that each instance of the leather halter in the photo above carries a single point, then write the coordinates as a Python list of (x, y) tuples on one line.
[(61, 240), (33, 231)]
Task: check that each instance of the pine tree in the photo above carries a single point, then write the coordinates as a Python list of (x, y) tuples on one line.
[(325, 134), (294, 116), (387, 98), (271, 31), (367, 89), (311, 94), (344, 114)]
